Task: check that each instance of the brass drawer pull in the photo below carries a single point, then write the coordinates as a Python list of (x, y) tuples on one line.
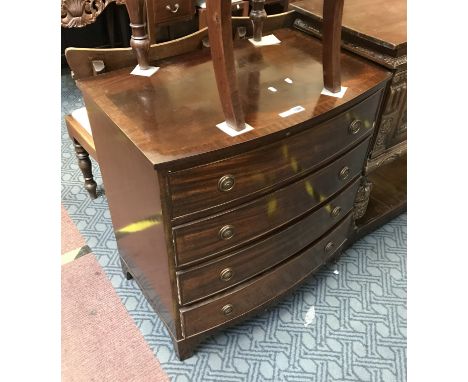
[(336, 212), (226, 274), (226, 232), (355, 126), (344, 173), (329, 247), (226, 183), (227, 309), (173, 10)]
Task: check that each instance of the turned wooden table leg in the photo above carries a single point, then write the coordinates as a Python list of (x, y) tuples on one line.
[(86, 169), (258, 16), (139, 41)]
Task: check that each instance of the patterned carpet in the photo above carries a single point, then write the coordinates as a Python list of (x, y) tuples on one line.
[(358, 332)]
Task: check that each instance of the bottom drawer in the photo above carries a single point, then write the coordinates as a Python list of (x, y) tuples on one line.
[(253, 294)]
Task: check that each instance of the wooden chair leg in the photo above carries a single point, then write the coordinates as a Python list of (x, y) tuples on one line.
[(125, 271), (201, 18), (86, 169), (245, 9)]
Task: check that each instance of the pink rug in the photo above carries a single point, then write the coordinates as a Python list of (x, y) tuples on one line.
[(100, 341), (71, 237)]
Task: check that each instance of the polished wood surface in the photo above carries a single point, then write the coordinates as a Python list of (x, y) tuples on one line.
[(375, 30), (156, 133), (378, 21), (196, 189), (201, 240), (148, 113), (227, 271), (213, 312), (138, 215)]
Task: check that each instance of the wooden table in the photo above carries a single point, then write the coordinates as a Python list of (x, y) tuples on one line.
[(376, 30)]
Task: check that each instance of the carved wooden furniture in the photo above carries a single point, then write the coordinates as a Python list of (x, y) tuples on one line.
[(215, 228), (375, 30), (144, 14), (79, 13)]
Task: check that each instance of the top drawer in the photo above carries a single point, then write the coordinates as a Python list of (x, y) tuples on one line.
[(169, 11), (206, 186)]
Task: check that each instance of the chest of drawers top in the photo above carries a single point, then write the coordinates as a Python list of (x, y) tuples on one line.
[(171, 117)]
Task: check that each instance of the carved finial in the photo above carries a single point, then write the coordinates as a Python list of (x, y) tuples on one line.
[(258, 16), (79, 13), (140, 41)]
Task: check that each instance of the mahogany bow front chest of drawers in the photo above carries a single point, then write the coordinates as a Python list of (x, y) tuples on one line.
[(214, 228)]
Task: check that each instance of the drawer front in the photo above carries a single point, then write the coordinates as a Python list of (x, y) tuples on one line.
[(210, 185), (209, 237), (259, 291), (211, 278), (168, 11)]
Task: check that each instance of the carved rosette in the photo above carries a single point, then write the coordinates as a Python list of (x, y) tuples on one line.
[(362, 199), (79, 13)]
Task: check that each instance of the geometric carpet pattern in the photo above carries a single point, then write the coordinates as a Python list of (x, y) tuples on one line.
[(347, 323)]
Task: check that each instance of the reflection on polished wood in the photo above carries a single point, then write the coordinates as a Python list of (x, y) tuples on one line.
[(150, 110), (375, 30)]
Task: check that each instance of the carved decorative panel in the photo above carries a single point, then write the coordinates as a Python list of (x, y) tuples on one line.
[(79, 13), (362, 199), (392, 129), (388, 156)]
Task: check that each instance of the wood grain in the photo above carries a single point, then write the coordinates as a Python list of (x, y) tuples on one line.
[(200, 240), (252, 295), (196, 189), (205, 280), (151, 124)]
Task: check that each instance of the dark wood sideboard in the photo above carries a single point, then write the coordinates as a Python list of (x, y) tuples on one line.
[(375, 30), (215, 228)]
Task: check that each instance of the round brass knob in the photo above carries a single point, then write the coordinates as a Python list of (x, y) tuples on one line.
[(226, 274), (226, 232), (227, 309), (329, 247), (355, 126), (336, 211), (226, 183), (344, 173)]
